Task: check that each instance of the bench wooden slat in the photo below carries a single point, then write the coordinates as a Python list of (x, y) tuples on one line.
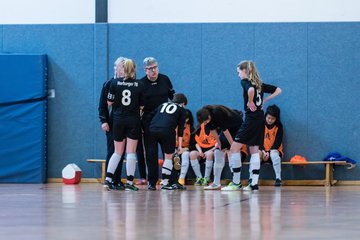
[(96, 160), (316, 162)]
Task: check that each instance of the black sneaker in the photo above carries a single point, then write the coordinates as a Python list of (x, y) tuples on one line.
[(178, 186), (118, 186), (167, 187), (251, 187), (277, 183), (108, 185), (130, 187), (151, 187)]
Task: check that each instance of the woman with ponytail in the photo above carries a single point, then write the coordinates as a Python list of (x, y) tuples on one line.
[(251, 132)]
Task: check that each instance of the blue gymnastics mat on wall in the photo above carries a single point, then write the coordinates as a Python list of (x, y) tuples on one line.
[(23, 118)]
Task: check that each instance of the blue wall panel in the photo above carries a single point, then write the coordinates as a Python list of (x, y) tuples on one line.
[(333, 77), (281, 58), (100, 75), (224, 45)]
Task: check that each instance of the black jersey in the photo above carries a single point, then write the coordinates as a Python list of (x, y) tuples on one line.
[(104, 113), (224, 118), (157, 92), (258, 95), (127, 97), (169, 116)]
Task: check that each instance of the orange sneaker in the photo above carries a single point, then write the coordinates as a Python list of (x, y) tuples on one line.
[(181, 181)]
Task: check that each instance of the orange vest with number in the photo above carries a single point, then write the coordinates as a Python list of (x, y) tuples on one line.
[(203, 140), (269, 139)]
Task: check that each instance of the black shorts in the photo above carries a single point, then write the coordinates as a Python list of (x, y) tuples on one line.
[(126, 128), (193, 148), (166, 138), (223, 140), (252, 130)]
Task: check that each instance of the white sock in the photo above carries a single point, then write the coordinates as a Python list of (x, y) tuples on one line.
[(250, 172), (219, 163), (130, 167), (255, 166), (196, 167), (208, 168), (236, 160), (113, 163), (185, 162), (166, 171), (231, 163), (275, 158)]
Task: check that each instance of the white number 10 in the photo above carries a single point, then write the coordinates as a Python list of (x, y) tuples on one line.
[(169, 108)]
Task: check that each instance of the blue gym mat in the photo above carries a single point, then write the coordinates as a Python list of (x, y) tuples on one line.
[(23, 118)]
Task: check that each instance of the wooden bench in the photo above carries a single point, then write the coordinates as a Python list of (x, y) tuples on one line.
[(329, 178), (103, 167), (328, 181)]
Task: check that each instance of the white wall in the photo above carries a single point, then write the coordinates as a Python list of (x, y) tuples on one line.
[(184, 11), (47, 11)]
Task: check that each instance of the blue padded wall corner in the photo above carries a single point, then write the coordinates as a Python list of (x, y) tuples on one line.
[(23, 121)]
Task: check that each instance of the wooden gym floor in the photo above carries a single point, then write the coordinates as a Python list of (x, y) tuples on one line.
[(85, 211)]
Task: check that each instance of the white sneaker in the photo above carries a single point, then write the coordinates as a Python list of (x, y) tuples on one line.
[(213, 186), (232, 187)]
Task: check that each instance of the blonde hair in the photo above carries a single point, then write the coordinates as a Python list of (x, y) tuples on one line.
[(129, 69), (252, 73)]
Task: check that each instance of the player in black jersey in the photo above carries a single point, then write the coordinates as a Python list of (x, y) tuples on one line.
[(105, 116), (167, 117), (228, 121), (126, 97), (158, 90), (252, 130)]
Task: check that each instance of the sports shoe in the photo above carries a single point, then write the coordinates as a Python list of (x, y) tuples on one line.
[(108, 185), (167, 187), (277, 182), (118, 186), (181, 181), (205, 182), (213, 186), (198, 181), (151, 187), (178, 186), (232, 187), (176, 160), (130, 187), (251, 187)]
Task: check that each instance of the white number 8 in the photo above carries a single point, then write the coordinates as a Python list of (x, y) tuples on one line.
[(126, 100)]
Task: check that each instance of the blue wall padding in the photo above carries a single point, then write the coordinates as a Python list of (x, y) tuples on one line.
[(23, 125)]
